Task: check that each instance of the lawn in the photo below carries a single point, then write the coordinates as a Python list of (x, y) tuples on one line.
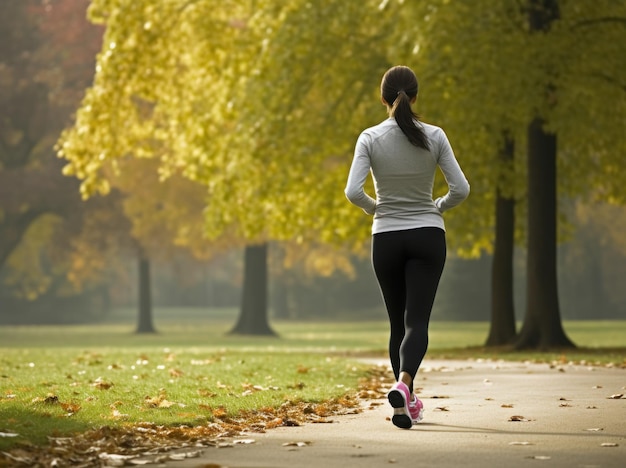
[(60, 380)]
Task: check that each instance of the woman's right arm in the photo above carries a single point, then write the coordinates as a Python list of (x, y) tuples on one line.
[(358, 174)]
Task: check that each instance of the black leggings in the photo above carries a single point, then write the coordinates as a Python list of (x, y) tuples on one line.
[(408, 265)]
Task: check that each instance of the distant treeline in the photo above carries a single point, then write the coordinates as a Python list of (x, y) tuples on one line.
[(464, 295)]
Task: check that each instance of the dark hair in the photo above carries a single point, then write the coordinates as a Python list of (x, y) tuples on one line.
[(398, 88)]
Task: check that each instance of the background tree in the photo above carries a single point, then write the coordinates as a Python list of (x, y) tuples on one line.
[(555, 27), (273, 159), (38, 88), (495, 75), (470, 86), (208, 109)]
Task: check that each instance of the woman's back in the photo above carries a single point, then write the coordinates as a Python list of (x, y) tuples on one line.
[(404, 175)]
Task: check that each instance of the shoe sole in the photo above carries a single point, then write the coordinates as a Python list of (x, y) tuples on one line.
[(400, 418)]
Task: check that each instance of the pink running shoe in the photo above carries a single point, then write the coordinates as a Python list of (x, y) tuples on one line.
[(399, 397), (416, 410)]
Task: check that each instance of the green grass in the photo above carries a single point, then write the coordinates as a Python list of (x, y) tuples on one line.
[(65, 390), (183, 328), (57, 380)]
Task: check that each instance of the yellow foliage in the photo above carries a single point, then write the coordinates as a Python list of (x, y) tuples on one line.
[(260, 103), (27, 276)]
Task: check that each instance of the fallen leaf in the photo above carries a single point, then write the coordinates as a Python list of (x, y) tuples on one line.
[(117, 415), (176, 372), (517, 418), (140, 461), (101, 384), (113, 459), (243, 441), (71, 408), (609, 444), (51, 400), (185, 454), (296, 444)]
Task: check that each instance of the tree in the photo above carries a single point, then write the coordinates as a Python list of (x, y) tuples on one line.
[(195, 97), (471, 87), (498, 76), (253, 316), (165, 218), (38, 84), (145, 323), (560, 24), (502, 328)]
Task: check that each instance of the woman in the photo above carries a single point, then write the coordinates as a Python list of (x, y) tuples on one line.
[(408, 234)]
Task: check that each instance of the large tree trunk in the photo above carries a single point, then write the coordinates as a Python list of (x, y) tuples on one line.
[(253, 319), (502, 328), (542, 326), (144, 323)]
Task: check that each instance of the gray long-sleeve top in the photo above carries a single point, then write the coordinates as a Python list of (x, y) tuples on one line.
[(403, 178)]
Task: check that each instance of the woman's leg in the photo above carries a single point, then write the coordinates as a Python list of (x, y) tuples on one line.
[(426, 255), (408, 266), (388, 262)]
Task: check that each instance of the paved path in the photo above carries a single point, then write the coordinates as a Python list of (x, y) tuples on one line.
[(568, 419)]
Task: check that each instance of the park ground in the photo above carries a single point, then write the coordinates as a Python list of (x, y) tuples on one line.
[(125, 395)]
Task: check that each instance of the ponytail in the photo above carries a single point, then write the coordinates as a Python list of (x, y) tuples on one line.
[(398, 88)]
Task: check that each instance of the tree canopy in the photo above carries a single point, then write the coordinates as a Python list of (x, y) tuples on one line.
[(260, 102), (256, 102)]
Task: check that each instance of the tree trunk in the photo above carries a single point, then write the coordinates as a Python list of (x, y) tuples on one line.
[(542, 326), (144, 324), (253, 319), (502, 327)]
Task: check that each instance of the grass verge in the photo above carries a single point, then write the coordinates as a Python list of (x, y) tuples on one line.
[(63, 391)]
